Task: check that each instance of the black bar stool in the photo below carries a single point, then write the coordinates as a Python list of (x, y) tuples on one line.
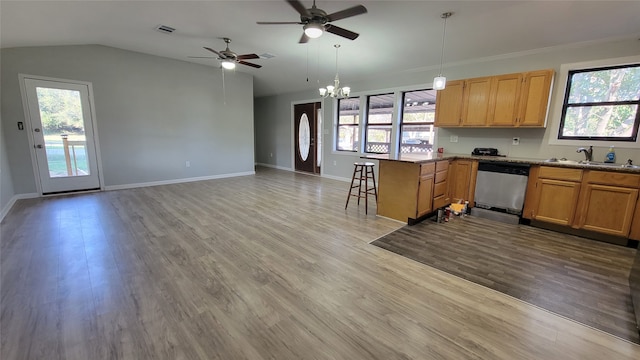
[(362, 172)]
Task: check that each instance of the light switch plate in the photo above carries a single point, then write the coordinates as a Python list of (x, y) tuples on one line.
[(453, 138)]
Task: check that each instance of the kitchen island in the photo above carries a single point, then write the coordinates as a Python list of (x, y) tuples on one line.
[(411, 187)]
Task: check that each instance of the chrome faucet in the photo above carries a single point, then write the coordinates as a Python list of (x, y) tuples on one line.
[(588, 153)]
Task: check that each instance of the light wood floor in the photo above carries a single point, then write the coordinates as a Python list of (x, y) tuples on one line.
[(257, 267)]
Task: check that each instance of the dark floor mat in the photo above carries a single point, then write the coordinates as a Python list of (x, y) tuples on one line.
[(582, 279)]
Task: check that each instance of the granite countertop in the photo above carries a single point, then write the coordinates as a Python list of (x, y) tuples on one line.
[(427, 158)]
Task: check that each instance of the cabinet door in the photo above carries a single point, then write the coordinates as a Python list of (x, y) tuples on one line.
[(449, 104), (556, 201), (425, 195), (534, 98), (459, 180), (607, 209), (634, 233), (475, 106), (505, 100)]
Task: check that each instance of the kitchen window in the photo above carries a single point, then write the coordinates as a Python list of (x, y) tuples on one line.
[(601, 104), (379, 123), (348, 124), (416, 126)]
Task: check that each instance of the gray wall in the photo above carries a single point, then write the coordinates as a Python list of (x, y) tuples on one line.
[(533, 143), (6, 183), (153, 113)]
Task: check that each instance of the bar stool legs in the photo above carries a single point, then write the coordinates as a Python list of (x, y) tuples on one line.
[(362, 172)]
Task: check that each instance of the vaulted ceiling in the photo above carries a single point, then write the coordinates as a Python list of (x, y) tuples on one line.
[(395, 36)]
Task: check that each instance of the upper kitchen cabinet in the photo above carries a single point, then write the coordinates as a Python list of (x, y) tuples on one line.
[(449, 104), (475, 101), (510, 100), (534, 98)]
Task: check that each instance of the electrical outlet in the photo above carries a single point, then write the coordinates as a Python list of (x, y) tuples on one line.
[(453, 138), (187, 163), (516, 141), (334, 163), (271, 155)]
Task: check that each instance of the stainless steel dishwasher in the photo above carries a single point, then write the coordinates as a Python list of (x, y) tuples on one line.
[(500, 190)]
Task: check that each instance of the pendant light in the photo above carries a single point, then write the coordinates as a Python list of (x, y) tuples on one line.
[(335, 90), (440, 82)]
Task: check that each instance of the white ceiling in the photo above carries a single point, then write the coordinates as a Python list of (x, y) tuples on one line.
[(394, 35)]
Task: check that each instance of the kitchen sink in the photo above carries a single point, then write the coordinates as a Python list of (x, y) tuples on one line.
[(562, 161)]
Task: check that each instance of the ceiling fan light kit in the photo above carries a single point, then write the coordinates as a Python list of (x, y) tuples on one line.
[(316, 21), (227, 64), (335, 91), (440, 82), (313, 31)]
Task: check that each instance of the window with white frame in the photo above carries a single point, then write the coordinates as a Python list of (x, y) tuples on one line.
[(416, 126), (602, 104), (348, 125), (379, 123)]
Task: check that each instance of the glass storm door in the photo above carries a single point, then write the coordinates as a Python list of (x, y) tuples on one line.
[(62, 128)]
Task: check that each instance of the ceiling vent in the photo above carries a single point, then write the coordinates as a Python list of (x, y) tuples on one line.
[(165, 29), (266, 56)]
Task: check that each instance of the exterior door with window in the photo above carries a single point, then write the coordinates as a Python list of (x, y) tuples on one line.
[(62, 126), (307, 137)]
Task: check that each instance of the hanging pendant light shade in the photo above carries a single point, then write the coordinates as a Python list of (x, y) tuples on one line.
[(440, 82)]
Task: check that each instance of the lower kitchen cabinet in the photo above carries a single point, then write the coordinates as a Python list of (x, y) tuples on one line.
[(556, 201), (462, 180), (607, 202), (599, 201), (406, 189), (425, 195)]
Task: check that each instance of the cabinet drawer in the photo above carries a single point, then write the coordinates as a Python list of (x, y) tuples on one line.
[(439, 188), (440, 201), (429, 168), (441, 177), (559, 173), (612, 178), (442, 166)]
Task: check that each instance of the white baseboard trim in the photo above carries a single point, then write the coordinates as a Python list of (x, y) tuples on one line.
[(337, 178), (13, 200), (275, 166), (176, 181)]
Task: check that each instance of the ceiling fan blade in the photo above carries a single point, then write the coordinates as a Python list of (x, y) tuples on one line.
[(303, 39), (341, 32), (213, 51), (278, 22), (353, 11), (296, 4), (247, 56), (249, 64)]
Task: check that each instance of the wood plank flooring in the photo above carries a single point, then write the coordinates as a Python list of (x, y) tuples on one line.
[(584, 280), (269, 266)]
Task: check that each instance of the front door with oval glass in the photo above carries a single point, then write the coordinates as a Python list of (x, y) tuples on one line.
[(307, 137), (62, 127)]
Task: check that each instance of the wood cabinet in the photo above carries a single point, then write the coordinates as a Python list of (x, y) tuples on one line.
[(607, 202), (462, 180), (406, 190), (505, 100), (601, 201), (554, 195), (509, 100), (449, 104), (440, 181), (534, 98), (475, 102), (425, 190)]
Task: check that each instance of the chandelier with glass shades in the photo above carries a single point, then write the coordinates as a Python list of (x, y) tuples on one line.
[(335, 91)]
